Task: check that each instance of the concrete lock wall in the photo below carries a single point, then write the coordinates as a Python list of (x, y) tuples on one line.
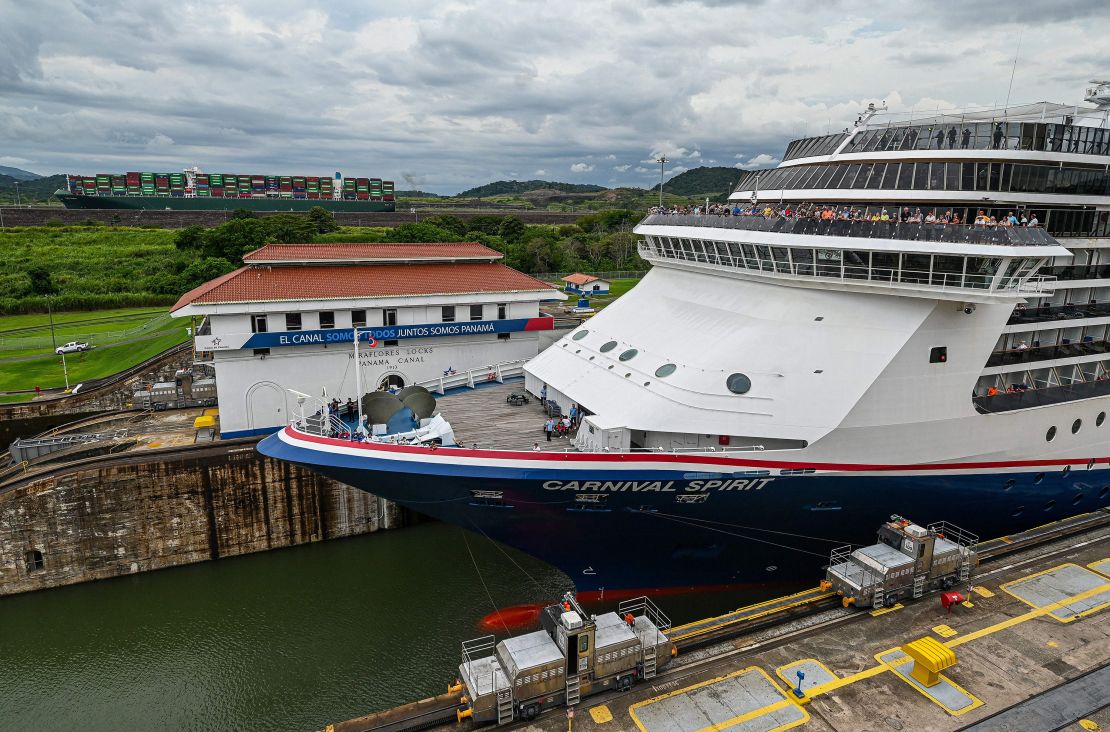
[(124, 516)]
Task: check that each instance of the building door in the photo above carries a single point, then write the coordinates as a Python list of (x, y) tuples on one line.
[(266, 406), (391, 382)]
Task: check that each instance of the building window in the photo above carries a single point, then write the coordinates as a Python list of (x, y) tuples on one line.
[(358, 318), (448, 313), (258, 324), (34, 561), (475, 312), (389, 343), (503, 336), (502, 311), (327, 319), (292, 321), (263, 352), (389, 316)]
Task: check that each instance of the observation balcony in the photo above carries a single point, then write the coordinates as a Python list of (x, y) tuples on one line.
[(1017, 356), (1026, 316), (1041, 396)]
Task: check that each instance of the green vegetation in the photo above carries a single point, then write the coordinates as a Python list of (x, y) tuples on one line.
[(39, 190), (701, 182), (502, 187)]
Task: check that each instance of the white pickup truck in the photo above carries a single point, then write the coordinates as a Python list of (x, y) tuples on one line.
[(72, 347)]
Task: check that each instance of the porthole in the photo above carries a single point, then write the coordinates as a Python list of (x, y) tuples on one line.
[(610, 367), (665, 370), (647, 383), (1078, 497), (1051, 434), (1076, 425), (578, 350), (628, 375), (1009, 484), (738, 383), (1038, 478), (592, 358), (628, 355), (609, 346), (1100, 419), (1051, 504), (580, 335), (1018, 511)]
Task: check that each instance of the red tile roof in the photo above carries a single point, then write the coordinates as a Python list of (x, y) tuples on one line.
[(370, 252), (260, 283), (579, 279)]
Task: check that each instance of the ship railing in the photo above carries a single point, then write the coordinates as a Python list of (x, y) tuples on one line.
[(477, 649), (953, 533), (643, 606), (313, 416), (792, 265), (471, 378)]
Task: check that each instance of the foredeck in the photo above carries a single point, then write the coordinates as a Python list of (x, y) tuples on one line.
[(482, 416)]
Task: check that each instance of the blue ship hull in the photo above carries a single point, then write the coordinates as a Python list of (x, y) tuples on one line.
[(644, 537)]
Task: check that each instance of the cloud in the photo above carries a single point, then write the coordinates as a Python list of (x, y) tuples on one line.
[(581, 168), (541, 171), (454, 94), (763, 160)]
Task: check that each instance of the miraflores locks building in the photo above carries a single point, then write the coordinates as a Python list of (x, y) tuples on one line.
[(285, 321)]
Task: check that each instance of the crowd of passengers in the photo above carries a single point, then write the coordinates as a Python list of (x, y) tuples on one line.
[(818, 212)]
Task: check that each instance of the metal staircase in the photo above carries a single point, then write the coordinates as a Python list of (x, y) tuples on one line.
[(965, 564), (919, 585), (649, 661), (574, 692), (504, 705), (878, 598)]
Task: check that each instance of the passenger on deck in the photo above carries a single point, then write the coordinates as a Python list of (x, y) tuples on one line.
[(548, 428), (535, 447), (566, 423), (993, 391), (573, 415), (543, 395), (350, 408)]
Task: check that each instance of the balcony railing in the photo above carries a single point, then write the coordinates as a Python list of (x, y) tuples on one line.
[(1078, 272), (793, 267), (1041, 397), (1048, 353), (1009, 236), (1059, 312)]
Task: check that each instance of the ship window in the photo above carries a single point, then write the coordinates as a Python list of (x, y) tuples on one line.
[(580, 335), (608, 346), (665, 370), (628, 355), (938, 354), (1100, 419), (1076, 425), (738, 383)]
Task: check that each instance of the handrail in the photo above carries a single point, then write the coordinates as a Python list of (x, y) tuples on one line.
[(452, 379)]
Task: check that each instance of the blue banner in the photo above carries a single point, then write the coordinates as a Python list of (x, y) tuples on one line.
[(373, 336)]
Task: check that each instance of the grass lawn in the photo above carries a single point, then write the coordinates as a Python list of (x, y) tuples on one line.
[(15, 398), (616, 289), (46, 371), (101, 332), (94, 320)]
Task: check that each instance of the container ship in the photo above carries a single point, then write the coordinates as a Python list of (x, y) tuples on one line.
[(192, 190), (911, 315)]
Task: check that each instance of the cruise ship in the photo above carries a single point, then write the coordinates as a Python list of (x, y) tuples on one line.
[(781, 383)]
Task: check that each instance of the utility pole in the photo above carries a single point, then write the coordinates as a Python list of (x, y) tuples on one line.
[(17, 202), (54, 341), (662, 161)]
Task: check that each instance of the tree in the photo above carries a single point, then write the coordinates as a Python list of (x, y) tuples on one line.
[(322, 219), (511, 230), (418, 233), (485, 224), (454, 224), (41, 281), (241, 213), (232, 239), (203, 270), (289, 229), (189, 238)]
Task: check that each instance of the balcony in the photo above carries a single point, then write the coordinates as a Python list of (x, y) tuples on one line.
[(890, 230), (1059, 312), (1043, 396), (1089, 347)]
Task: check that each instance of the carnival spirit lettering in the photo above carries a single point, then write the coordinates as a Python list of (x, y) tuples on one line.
[(645, 486)]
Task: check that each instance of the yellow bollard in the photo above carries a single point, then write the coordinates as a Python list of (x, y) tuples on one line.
[(930, 657), (461, 714), (455, 687)]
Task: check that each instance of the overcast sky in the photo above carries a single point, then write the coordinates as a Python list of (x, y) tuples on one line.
[(447, 95)]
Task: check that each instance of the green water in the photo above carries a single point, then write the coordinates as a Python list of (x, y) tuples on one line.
[(286, 640)]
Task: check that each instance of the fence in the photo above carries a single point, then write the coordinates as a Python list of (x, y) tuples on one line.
[(618, 275), (43, 341)]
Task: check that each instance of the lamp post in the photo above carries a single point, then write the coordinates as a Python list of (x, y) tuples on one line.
[(662, 161), (358, 384), (54, 341)]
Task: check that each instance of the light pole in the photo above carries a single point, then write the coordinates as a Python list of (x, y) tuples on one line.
[(358, 384), (662, 161), (17, 202), (54, 341)]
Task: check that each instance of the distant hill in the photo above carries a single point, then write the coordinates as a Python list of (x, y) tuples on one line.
[(507, 187), (20, 175), (711, 181), (416, 194), (30, 191)]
